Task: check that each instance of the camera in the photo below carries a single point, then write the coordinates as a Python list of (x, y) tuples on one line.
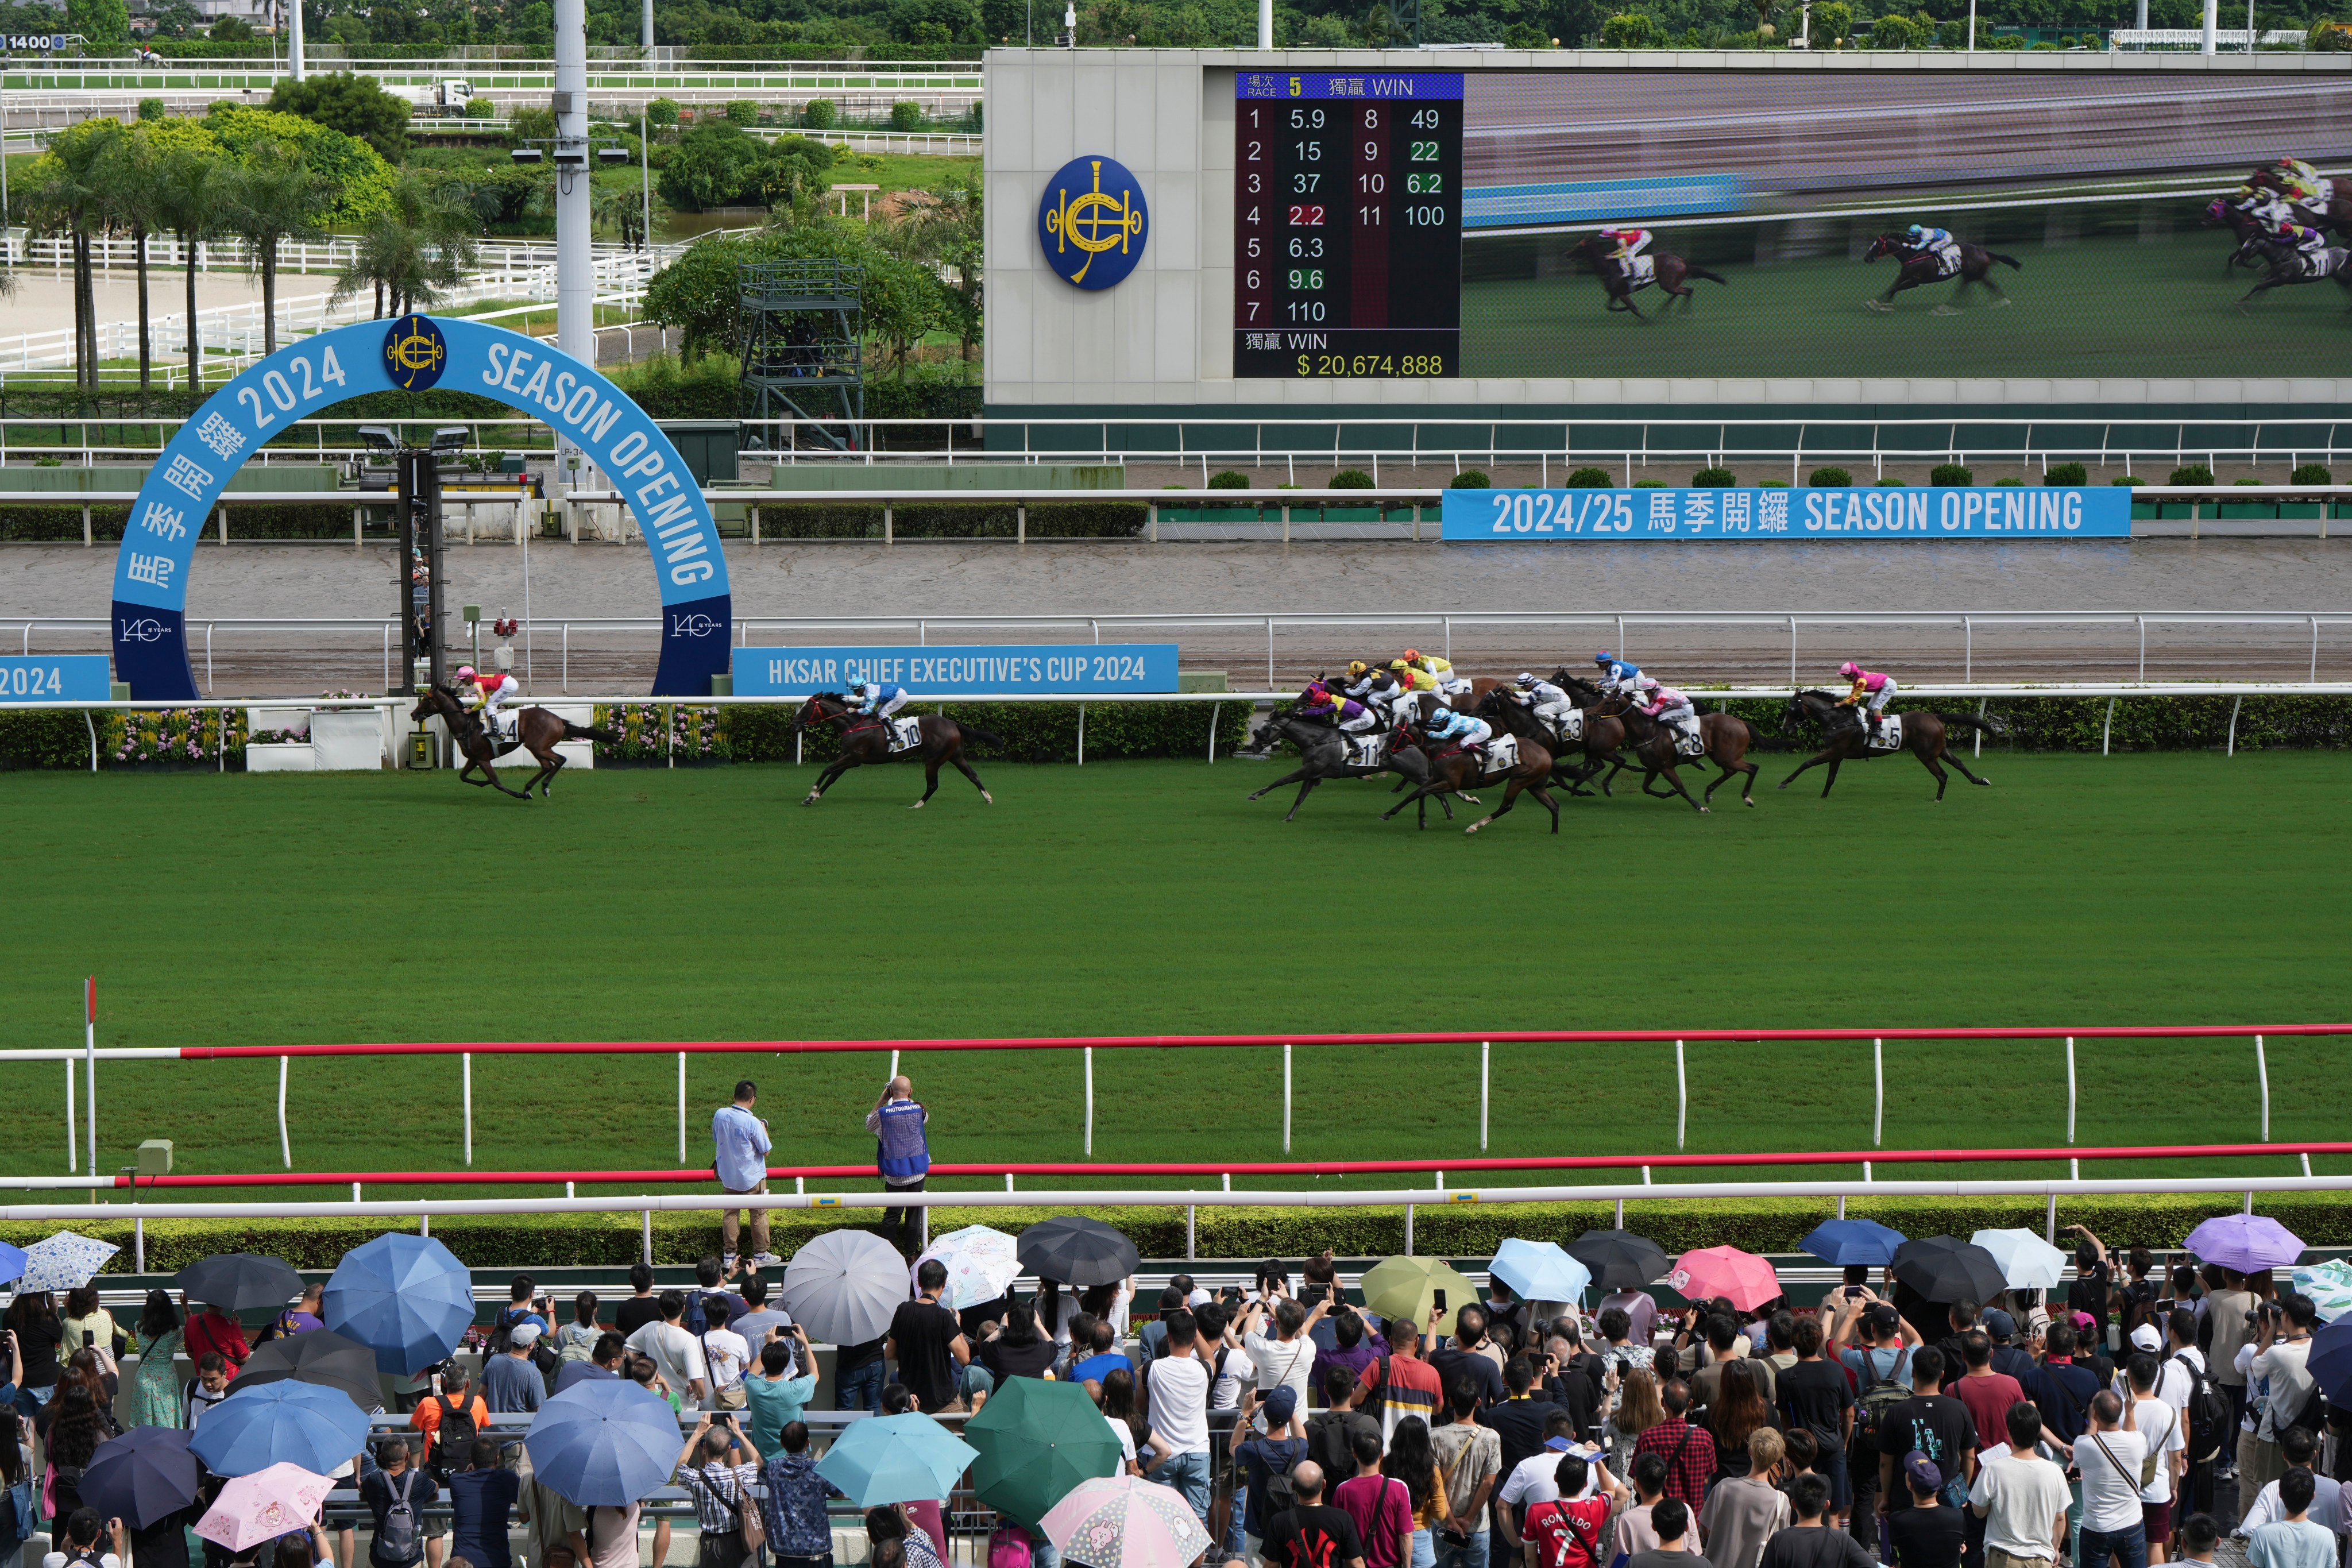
[(1310, 1295)]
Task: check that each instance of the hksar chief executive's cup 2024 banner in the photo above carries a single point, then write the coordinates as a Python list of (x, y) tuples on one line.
[(1999, 511), (1071, 669)]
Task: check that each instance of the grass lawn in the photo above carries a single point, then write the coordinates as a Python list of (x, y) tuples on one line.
[(1148, 897)]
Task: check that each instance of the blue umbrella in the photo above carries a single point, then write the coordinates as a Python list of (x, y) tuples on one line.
[(1853, 1243), (12, 1261), (1539, 1271), (141, 1475), (895, 1458), (296, 1424), (604, 1443), (2331, 1362), (404, 1298)]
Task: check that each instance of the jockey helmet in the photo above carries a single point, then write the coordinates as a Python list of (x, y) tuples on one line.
[(1315, 692), (1356, 667), (466, 672), (1604, 658), (1413, 656), (1849, 670), (1914, 232), (1612, 234), (1526, 679)]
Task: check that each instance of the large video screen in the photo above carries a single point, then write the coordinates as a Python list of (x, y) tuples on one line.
[(2079, 207)]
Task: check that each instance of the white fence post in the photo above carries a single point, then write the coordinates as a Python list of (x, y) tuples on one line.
[(90, 1045), (1878, 1110), (1682, 1097), (1486, 1087), (2263, 1074), (468, 1058), (73, 1159), (2069, 1089), (1090, 1102), (1285, 1103), (285, 1144), (681, 1108)]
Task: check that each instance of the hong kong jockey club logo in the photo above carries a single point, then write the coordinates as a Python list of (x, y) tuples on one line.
[(414, 352), (1092, 222)]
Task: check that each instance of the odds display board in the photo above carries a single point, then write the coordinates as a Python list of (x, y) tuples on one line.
[(1347, 224), (1075, 669), (2008, 512)]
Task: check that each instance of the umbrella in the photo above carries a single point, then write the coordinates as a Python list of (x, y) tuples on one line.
[(263, 1506), (1619, 1259), (1851, 1242), (141, 1475), (2331, 1362), (1077, 1251), (238, 1281), (1037, 1440), (895, 1458), (1539, 1271), (63, 1262), (1744, 1280), (1407, 1288), (1946, 1269), (603, 1442), (981, 1265), (843, 1287), (322, 1357), (279, 1423), (404, 1298), (2243, 1242), (12, 1261), (2329, 1286), (1125, 1521), (2027, 1262)]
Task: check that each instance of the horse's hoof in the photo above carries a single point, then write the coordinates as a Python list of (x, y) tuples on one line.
[(986, 798), (2004, 303), (1472, 828), (1747, 800), (808, 800), (1878, 305), (1943, 311), (1474, 800), (1703, 810), (917, 806)]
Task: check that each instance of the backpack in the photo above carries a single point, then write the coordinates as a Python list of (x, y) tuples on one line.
[(395, 1539), (1008, 1547), (2311, 1417), (456, 1423), (2207, 1413), (1278, 1494), (1879, 1395)]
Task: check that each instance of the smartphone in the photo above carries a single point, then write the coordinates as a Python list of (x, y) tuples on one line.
[(1438, 1296), (1853, 1293)]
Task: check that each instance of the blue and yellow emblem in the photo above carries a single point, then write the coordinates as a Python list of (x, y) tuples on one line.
[(414, 352), (1092, 222)]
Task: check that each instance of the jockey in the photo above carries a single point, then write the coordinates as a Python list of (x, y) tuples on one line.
[(1630, 242), (1453, 724), (1616, 674), (1413, 677), (1548, 701), (1345, 713), (877, 698), (1871, 690), (1918, 238), (488, 691), (1438, 669), (2302, 183), (1669, 707)]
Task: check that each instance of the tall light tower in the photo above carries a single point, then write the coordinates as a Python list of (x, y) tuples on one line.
[(575, 264)]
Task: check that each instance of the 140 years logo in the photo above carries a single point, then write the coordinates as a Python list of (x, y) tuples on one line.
[(1092, 222)]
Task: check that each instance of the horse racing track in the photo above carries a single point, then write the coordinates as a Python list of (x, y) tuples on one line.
[(1146, 897)]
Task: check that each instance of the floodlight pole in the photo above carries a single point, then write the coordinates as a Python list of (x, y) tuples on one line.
[(575, 266), (294, 65)]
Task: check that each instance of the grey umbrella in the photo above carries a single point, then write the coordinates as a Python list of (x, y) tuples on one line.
[(844, 1286)]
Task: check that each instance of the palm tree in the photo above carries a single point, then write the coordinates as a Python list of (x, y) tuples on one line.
[(417, 252), (133, 196), (68, 197), (190, 191), (950, 232), (274, 198)]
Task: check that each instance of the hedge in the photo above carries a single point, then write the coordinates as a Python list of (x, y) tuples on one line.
[(1677, 1224), (971, 519), (62, 523), (1032, 732)]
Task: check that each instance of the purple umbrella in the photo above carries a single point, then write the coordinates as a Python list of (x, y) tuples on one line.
[(2245, 1242)]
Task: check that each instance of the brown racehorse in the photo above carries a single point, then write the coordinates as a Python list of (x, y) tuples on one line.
[(537, 731), (1725, 739), (1927, 267), (1456, 771), (1512, 717), (1926, 736), (865, 739), (1672, 274)]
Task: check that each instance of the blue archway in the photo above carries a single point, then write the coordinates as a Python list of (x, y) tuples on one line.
[(159, 542)]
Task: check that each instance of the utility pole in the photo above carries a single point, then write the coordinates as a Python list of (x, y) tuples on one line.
[(294, 38), (575, 265)]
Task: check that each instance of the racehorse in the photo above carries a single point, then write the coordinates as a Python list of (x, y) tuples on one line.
[(1725, 739), (1671, 274), (1927, 266), (2221, 213), (1323, 754), (867, 739), (1510, 718), (1454, 771), (1926, 735), (2289, 265), (537, 731)]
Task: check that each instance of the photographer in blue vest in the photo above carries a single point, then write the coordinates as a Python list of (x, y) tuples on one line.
[(901, 1153)]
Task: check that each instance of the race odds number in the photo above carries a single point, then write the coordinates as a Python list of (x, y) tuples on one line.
[(1347, 224)]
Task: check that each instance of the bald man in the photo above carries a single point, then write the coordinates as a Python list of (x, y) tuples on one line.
[(902, 1153), (1310, 1533)]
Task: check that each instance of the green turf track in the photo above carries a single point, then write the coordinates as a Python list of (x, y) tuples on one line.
[(2106, 306), (1147, 897)]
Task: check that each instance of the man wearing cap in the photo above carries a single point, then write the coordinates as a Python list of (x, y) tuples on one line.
[(2008, 1355), (509, 1382), (1279, 1451)]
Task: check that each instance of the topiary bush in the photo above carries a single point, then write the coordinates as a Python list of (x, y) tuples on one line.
[(1714, 479), (1890, 484), (1950, 474), (2192, 474), (1591, 479), (819, 114), (1350, 479), (2066, 474), (2129, 480), (2311, 474), (1826, 478), (661, 114), (904, 116), (744, 112), (1891, 32), (1630, 30), (1471, 479), (1229, 479)]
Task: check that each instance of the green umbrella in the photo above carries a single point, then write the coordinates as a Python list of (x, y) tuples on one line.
[(1407, 1286), (1037, 1440)]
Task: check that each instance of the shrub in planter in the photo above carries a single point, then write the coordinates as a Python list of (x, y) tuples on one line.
[(1229, 479), (1714, 479), (1470, 480), (2066, 474), (2192, 474), (2012, 480), (1591, 479), (2311, 474), (905, 116), (1350, 479), (1890, 484), (1823, 478), (2130, 481), (819, 114), (1652, 485), (1950, 474)]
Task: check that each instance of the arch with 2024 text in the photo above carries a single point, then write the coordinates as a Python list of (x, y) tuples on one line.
[(310, 377)]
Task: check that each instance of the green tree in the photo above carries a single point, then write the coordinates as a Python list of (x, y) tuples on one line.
[(717, 165), (662, 112), (620, 210), (950, 234), (818, 114), (352, 104), (743, 112), (697, 292), (276, 196), (103, 23), (191, 189), (152, 108), (359, 180), (67, 191), (231, 30), (133, 198), (416, 253), (795, 175)]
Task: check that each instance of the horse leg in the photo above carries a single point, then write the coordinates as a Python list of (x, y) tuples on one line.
[(1832, 778), (1675, 779), (1812, 761), (1418, 791), (471, 764), (1748, 783), (548, 763), (1549, 805), (1927, 759), (1510, 795), (1953, 757), (965, 769), (1304, 790), (1288, 778), (825, 780), (931, 783), (492, 774)]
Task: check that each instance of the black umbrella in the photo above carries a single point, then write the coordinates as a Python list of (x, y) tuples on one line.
[(1077, 1251), (1619, 1259), (145, 1475), (322, 1357), (1946, 1269), (239, 1282)]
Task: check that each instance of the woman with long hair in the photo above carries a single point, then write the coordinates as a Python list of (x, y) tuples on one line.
[(1118, 1409), (1738, 1411), (87, 1323), (75, 1428), (1413, 1459), (32, 1317), (1639, 1408), (83, 1369), (1021, 1348), (155, 1381)]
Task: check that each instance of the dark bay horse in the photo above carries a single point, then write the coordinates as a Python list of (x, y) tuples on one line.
[(2288, 265), (537, 731), (1926, 735), (867, 739), (1510, 718), (1725, 739), (1927, 266), (1672, 273), (2221, 213), (1452, 772), (1323, 754)]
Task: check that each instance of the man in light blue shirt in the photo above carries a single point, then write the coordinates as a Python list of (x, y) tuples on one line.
[(741, 1140), (2293, 1542)]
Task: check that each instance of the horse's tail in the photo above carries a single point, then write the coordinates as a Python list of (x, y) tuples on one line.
[(589, 732), (971, 731), (1757, 740), (2012, 262), (1965, 724), (1692, 270)]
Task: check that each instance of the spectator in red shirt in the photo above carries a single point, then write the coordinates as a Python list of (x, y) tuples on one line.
[(1380, 1505), (1987, 1393), (209, 1329), (1401, 1383), (1568, 1534), (1688, 1450)]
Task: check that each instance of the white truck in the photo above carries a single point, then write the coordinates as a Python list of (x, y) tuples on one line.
[(448, 96)]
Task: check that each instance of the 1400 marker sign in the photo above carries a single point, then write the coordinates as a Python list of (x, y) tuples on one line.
[(1347, 225)]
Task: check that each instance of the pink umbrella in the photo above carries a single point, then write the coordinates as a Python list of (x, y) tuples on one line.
[(1122, 1521), (263, 1506), (1744, 1280)]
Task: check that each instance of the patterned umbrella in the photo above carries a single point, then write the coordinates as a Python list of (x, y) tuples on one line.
[(2329, 1286), (981, 1265), (1125, 1521), (263, 1506), (63, 1262)]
